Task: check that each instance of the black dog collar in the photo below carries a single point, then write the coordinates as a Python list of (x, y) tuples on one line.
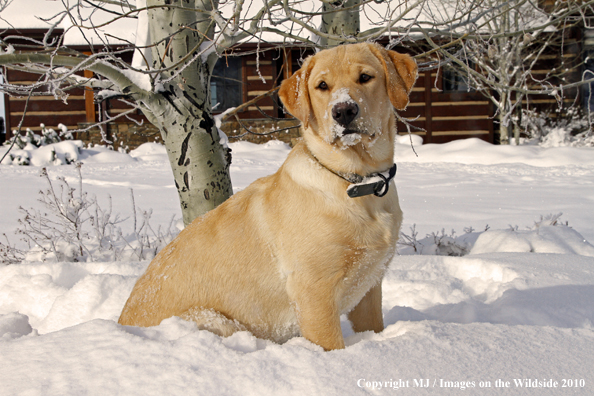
[(376, 183)]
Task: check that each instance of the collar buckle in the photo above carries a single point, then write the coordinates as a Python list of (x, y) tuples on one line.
[(376, 184)]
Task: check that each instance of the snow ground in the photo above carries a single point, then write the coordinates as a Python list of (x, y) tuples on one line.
[(518, 310)]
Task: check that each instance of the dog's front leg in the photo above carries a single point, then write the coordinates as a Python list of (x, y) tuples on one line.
[(317, 314), (367, 315)]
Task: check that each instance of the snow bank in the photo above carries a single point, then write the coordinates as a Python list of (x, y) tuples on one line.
[(252, 161), (71, 151), (542, 239), (502, 288), (14, 325), (550, 239), (58, 295), (274, 149), (150, 152), (467, 151), (62, 153), (175, 360), (407, 139), (472, 319), (476, 151)]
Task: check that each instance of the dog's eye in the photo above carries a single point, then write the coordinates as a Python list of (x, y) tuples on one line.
[(363, 78), (323, 86)]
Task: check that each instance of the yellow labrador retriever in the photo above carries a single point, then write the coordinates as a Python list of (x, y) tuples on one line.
[(295, 250)]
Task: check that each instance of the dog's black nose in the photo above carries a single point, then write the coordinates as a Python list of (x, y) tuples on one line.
[(344, 113)]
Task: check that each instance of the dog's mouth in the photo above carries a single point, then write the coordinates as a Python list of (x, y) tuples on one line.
[(351, 137), (359, 132)]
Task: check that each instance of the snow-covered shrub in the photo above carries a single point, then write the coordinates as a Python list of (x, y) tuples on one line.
[(51, 145), (573, 129), (533, 124), (9, 254), (73, 227), (438, 243), (547, 235), (550, 220), (47, 136)]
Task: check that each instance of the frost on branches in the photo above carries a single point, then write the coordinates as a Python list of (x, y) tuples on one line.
[(574, 129), (73, 227)]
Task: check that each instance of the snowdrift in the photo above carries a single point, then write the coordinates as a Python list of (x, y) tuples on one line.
[(514, 315)]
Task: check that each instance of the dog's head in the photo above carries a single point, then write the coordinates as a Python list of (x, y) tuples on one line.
[(345, 97)]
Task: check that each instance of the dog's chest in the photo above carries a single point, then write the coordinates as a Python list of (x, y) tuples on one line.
[(368, 258)]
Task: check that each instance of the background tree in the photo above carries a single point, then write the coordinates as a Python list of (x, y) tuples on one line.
[(179, 41), (498, 52)]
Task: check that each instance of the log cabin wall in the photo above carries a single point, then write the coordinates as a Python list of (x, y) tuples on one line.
[(43, 109), (441, 116), (78, 110), (448, 114), (259, 74), (263, 71)]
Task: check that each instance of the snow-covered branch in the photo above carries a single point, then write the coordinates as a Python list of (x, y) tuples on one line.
[(36, 63)]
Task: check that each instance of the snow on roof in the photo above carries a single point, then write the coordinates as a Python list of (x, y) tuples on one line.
[(39, 14), (30, 14), (42, 14)]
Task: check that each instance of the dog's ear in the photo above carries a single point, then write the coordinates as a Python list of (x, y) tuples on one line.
[(401, 74), (295, 95)]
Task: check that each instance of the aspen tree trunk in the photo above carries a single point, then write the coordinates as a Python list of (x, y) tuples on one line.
[(503, 130), (341, 23), (182, 109), (504, 58), (503, 118)]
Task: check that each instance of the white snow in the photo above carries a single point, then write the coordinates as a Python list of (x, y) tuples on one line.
[(41, 14), (143, 57), (141, 80), (476, 151), (559, 240), (341, 96), (518, 310), (65, 152)]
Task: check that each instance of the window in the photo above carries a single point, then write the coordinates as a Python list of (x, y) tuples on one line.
[(226, 84), (455, 78)]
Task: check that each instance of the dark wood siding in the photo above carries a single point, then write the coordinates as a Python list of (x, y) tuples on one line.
[(259, 73), (446, 116), (260, 76), (44, 109)]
